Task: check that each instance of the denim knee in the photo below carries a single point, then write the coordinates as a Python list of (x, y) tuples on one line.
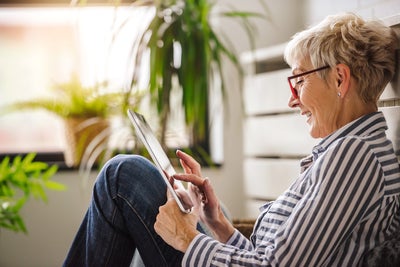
[(130, 171), (132, 160), (124, 163)]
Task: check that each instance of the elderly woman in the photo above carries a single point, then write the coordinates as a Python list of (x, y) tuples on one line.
[(344, 203)]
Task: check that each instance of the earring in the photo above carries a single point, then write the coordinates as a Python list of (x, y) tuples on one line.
[(339, 94)]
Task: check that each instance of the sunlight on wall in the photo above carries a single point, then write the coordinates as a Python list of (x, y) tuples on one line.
[(41, 46)]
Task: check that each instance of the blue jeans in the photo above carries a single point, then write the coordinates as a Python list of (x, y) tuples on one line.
[(126, 197)]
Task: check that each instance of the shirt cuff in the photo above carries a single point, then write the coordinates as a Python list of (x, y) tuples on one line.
[(200, 251)]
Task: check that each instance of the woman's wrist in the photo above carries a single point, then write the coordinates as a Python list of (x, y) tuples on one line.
[(222, 230), (186, 239)]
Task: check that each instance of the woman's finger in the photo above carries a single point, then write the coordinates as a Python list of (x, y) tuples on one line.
[(190, 178), (189, 164), (197, 194), (169, 194), (201, 186), (185, 167)]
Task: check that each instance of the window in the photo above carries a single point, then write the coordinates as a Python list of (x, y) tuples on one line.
[(37, 46), (40, 46)]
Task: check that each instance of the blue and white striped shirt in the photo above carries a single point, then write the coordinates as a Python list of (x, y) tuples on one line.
[(344, 202)]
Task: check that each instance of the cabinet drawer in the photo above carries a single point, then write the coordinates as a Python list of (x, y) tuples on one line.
[(266, 179), (267, 92), (278, 135), (253, 208)]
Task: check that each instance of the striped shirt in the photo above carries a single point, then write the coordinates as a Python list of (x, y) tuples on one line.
[(344, 202)]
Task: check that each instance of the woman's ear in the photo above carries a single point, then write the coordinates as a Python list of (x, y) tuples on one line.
[(343, 76)]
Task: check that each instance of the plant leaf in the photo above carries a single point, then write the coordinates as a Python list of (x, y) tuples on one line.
[(55, 186)]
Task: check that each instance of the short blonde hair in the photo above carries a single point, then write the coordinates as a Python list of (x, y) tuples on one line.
[(367, 47)]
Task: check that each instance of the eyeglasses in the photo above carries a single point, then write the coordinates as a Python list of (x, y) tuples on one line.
[(297, 79)]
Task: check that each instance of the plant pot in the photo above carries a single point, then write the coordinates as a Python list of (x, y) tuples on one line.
[(85, 137)]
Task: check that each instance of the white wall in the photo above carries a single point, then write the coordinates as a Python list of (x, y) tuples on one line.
[(52, 226), (316, 10)]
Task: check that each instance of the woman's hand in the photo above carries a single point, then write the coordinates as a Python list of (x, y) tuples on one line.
[(204, 198), (176, 228)]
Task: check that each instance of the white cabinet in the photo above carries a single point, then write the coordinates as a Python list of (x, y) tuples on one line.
[(276, 137)]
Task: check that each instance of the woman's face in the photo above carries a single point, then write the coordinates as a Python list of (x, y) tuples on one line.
[(317, 99)]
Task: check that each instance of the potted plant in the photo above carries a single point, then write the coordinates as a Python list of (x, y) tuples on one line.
[(85, 111), (21, 179), (186, 53)]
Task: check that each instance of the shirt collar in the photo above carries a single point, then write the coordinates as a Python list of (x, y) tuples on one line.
[(362, 126)]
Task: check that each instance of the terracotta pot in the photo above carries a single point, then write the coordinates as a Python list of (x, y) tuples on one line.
[(84, 135)]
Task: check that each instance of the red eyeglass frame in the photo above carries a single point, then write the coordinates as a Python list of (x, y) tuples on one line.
[(294, 91)]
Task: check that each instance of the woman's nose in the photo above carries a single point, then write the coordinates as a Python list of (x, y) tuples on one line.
[(293, 102)]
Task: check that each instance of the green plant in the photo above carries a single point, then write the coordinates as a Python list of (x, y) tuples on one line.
[(183, 29), (20, 180), (85, 110), (73, 99)]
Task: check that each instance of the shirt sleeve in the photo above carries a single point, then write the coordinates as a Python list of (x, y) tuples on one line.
[(240, 241), (195, 257), (343, 184)]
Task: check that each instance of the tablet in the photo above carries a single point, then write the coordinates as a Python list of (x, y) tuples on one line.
[(158, 155)]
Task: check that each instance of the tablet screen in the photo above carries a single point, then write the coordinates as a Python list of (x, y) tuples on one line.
[(157, 153)]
